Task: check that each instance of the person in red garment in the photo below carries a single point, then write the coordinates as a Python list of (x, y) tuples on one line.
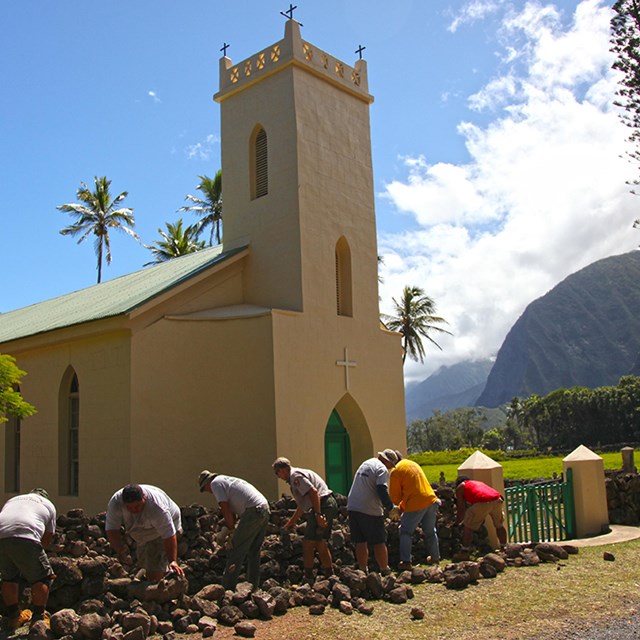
[(475, 501)]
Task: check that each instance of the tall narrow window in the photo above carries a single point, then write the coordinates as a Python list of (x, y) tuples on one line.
[(74, 437), (69, 434), (260, 168), (12, 454), (344, 299)]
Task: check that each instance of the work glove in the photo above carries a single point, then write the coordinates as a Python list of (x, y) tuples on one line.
[(394, 514), (222, 536), (125, 557)]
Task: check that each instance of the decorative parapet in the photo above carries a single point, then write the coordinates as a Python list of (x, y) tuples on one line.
[(292, 50)]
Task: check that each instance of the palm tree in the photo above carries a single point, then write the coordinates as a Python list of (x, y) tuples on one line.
[(415, 317), (209, 208), (96, 214), (175, 242)]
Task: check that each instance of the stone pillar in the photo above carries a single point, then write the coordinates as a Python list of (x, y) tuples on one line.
[(628, 465), (590, 496), (479, 466)]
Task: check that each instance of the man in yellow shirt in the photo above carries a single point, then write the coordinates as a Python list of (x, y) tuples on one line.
[(418, 503)]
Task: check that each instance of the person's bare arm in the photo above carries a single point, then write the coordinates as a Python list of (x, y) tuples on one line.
[(171, 549), (228, 515)]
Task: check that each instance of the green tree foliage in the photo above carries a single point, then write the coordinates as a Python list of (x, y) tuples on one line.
[(176, 241), (11, 402), (414, 317), (625, 43), (493, 440), (97, 214), (567, 418), (455, 429), (209, 207)]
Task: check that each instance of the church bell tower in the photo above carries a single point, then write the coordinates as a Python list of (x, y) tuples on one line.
[(297, 175)]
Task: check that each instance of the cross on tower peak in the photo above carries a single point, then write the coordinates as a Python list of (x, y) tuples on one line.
[(289, 13), (359, 51), (224, 48)]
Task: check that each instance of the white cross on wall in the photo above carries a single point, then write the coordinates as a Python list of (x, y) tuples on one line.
[(346, 363)]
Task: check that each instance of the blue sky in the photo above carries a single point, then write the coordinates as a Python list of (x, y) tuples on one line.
[(498, 157)]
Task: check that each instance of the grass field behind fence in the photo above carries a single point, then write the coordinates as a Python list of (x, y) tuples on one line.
[(519, 469)]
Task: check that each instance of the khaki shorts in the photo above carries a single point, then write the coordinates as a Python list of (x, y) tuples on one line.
[(151, 556), (22, 557), (476, 514)]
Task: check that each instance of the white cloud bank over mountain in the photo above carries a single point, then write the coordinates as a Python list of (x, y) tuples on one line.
[(542, 195)]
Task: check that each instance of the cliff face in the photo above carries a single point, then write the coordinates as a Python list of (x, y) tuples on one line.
[(447, 388), (584, 332)]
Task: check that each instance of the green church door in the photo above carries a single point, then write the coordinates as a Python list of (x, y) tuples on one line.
[(337, 455)]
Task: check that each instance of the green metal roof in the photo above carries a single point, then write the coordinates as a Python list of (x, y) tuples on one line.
[(107, 299)]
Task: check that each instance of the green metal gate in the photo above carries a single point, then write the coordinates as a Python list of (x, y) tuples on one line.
[(541, 511)]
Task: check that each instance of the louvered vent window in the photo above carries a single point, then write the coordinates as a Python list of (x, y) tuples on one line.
[(261, 166)]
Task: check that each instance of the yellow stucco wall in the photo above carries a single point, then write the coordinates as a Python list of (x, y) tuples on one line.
[(101, 363), (205, 400)]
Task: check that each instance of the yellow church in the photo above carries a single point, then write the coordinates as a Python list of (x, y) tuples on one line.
[(267, 345)]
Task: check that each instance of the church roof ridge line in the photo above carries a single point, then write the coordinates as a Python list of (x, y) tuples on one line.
[(115, 297)]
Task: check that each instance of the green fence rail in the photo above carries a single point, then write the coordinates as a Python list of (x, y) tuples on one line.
[(541, 511)]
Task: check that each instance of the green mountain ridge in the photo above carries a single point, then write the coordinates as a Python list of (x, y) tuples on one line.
[(584, 332)]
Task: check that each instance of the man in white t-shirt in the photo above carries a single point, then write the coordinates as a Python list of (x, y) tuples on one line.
[(27, 526), (367, 503), (152, 519), (246, 514), (313, 497)]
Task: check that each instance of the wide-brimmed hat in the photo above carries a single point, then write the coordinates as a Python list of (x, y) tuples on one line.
[(41, 492), (390, 456), (205, 478)]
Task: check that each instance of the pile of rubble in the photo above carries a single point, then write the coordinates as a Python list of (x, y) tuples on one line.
[(94, 597)]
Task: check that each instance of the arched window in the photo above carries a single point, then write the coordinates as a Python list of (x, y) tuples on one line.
[(259, 164), (344, 299), (69, 434), (12, 453)]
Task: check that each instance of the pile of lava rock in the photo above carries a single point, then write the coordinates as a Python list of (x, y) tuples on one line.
[(94, 597)]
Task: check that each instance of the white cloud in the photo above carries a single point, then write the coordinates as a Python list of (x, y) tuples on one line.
[(473, 11), (542, 195), (202, 150), (154, 96)]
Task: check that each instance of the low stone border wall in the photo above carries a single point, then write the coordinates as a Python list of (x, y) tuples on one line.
[(94, 597), (623, 497)]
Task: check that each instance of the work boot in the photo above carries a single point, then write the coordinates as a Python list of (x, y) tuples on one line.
[(15, 622), (327, 571), (404, 566), (45, 617)]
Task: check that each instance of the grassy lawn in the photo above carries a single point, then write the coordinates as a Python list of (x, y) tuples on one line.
[(546, 602), (522, 468)]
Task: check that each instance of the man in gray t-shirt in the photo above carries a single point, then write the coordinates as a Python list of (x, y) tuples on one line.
[(27, 526), (313, 496), (152, 519), (367, 502), (246, 514)]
